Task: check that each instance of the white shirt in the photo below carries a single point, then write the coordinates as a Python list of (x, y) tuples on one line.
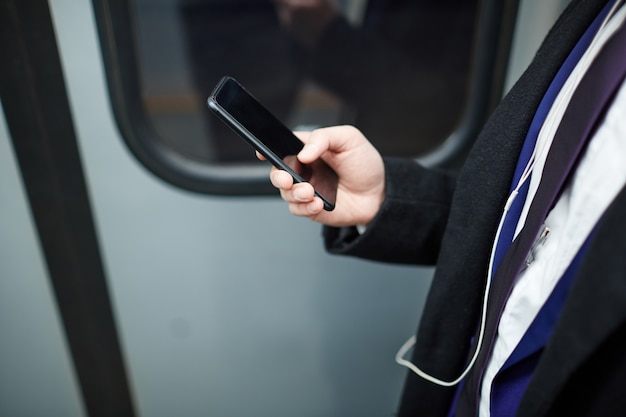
[(599, 177)]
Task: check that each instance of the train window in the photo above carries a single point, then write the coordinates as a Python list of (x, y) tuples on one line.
[(405, 72)]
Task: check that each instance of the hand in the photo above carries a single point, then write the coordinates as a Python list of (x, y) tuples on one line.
[(361, 172), (306, 20)]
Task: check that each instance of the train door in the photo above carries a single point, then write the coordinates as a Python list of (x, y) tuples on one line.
[(147, 267)]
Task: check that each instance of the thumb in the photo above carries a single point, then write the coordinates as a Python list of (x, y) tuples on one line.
[(316, 143)]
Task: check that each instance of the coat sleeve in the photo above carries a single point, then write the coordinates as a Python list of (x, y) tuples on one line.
[(410, 224)]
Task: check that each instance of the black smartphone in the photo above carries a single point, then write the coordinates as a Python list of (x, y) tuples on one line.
[(260, 128)]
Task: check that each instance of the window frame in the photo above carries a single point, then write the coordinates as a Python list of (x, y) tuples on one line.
[(116, 27)]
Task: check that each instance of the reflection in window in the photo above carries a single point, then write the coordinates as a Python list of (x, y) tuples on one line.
[(397, 69)]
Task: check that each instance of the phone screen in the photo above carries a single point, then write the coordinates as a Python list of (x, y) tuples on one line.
[(259, 127)]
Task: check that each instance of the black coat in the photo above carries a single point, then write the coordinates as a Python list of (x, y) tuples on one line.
[(431, 217)]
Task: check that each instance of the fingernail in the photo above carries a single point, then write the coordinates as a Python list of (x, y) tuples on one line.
[(308, 149), (299, 195)]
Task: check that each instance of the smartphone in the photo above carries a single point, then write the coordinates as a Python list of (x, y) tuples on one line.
[(260, 128)]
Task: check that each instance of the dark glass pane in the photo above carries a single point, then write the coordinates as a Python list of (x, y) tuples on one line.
[(398, 70)]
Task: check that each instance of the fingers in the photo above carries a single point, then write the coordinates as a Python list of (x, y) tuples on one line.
[(357, 164), (320, 141), (310, 209), (315, 144), (290, 191), (281, 179), (329, 140), (300, 196)]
